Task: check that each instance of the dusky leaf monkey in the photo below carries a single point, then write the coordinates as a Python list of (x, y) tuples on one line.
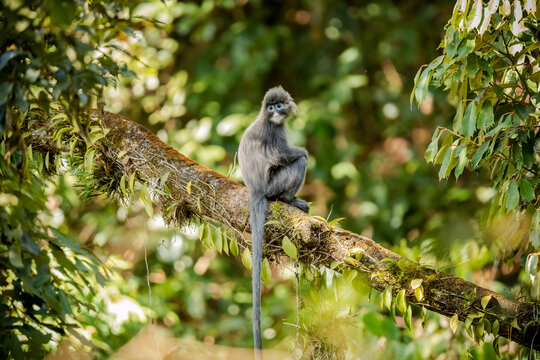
[(272, 170)]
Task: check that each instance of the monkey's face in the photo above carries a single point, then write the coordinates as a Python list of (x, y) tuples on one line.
[(277, 113), (277, 105)]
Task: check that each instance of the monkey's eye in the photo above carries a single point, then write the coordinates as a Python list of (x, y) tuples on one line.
[(279, 106), (270, 108)]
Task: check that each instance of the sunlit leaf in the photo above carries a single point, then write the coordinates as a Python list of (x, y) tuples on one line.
[(266, 273), (408, 317), (289, 248), (401, 302), (419, 293), (218, 242), (415, 283), (454, 322), (334, 222), (485, 301), (246, 259), (387, 296), (234, 247)]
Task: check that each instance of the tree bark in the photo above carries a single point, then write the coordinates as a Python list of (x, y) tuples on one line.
[(193, 190)]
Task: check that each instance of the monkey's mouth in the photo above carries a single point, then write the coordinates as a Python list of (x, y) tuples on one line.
[(277, 118)]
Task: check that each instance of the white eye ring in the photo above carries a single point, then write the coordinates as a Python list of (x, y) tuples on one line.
[(271, 108), (279, 106)]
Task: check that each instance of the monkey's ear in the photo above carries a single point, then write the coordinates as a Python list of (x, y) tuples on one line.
[(293, 106)]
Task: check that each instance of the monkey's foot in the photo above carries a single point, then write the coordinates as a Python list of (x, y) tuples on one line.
[(301, 204)]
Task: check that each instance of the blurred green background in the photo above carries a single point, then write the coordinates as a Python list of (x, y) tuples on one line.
[(201, 71), (350, 66)]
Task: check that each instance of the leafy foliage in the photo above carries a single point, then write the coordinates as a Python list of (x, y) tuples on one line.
[(490, 69), (53, 55), (201, 69)]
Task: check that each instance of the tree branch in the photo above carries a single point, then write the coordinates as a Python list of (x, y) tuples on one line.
[(194, 190)]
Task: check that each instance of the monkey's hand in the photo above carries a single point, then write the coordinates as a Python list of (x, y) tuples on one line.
[(293, 154)]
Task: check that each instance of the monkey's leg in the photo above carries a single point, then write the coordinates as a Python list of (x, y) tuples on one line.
[(286, 181)]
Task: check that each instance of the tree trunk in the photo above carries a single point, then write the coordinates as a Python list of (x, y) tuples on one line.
[(192, 190)]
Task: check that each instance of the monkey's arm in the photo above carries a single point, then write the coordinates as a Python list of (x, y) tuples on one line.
[(289, 155)]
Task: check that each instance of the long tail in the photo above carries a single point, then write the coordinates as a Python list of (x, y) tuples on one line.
[(257, 207)]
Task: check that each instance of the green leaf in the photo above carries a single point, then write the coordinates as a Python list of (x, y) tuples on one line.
[(526, 190), (289, 248), (401, 302), (495, 327), (415, 283), (462, 162), (468, 324), (452, 45), (234, 247), (29, 244), (207, 239), (225, 244), (413, 92), (441, 154), (15, 257), (485, 301), (387, 296), (472, 65), (246, 259), (480, 328), (468, 125), (419, 293), (422, 86), (8, 55), (5, 91), (454, 322), (458, 118), (527, 149), (448, 163), (31, 74), (485, 117), (478, 155), (380, 301), (146, 200), (445, 145), (334, 222), (433, 147), (218, 243), (466, 46), (351, 275), (408, 317), (266, 273), (123, 185), (512, 199), (132, 181), (20, 98)]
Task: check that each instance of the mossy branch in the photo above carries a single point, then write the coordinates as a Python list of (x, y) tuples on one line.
[(195, 190)]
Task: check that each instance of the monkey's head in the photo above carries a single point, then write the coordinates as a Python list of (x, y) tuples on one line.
[(277, 105)]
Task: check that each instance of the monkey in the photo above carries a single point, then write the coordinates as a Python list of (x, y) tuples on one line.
[(272, 169)]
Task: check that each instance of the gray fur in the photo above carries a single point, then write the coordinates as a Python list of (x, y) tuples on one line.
[(272, 170)]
